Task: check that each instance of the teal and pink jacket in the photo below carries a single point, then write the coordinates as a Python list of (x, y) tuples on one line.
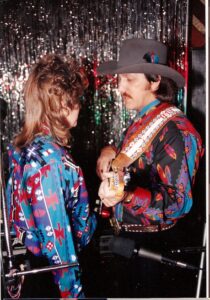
[(49, 208)]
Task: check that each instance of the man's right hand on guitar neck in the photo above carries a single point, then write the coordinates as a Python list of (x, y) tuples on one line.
[(104, 161)]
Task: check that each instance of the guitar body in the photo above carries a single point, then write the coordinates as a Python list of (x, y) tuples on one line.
[(106, 212)]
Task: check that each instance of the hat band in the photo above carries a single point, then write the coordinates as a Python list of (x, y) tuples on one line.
[(151, 57)]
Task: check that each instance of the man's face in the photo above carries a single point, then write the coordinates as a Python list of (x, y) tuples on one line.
[(136, 90)]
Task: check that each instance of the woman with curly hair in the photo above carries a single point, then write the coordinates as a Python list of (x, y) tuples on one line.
[(47, 197)]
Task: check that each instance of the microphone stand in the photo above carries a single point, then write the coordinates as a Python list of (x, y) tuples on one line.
[(5, 218), (200, 273), (190, 250)]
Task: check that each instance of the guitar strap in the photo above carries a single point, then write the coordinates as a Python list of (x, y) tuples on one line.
[(142, 138)]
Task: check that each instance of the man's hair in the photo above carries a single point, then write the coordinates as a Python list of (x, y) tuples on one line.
[(54, 84), (167, 89)]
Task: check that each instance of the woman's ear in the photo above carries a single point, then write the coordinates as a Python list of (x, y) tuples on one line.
[(155, 84), (65, 108), (68, 110)]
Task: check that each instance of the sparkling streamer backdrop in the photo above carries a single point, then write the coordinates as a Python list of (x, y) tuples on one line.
[(92, 32)]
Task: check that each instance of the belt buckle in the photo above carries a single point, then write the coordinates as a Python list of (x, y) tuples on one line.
[(115, 225)]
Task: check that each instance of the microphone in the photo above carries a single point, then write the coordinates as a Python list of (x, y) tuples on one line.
[(126, 247)]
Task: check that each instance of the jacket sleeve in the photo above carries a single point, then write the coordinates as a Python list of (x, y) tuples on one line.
[(19, 211), (175, 161)]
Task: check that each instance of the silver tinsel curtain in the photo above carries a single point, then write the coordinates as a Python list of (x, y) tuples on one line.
[(91, 31)]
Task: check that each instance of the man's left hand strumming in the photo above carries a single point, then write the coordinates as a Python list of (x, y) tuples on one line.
[(111, 192)]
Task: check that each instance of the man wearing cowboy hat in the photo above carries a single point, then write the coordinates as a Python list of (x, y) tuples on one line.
[(161, 149)]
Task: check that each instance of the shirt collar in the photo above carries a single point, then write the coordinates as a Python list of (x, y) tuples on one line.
[(148, 107)]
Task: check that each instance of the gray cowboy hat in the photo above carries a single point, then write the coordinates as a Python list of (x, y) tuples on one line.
[(142, 56)]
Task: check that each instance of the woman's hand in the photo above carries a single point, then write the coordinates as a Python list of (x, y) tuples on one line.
[(104, 161)]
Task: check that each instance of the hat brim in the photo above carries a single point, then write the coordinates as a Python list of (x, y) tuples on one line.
[(112, 67)]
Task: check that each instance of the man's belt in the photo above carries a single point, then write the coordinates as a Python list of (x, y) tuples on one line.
[(117, 227), (150, 228)]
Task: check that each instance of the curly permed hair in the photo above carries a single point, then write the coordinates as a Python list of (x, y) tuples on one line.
[(54, 85)]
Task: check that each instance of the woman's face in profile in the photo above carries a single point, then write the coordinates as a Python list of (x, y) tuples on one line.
[(72, 117)]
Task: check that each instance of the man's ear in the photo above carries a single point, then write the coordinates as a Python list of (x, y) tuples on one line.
[(155, 84)]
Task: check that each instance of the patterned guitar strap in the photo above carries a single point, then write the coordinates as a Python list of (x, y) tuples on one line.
[(136, 145)]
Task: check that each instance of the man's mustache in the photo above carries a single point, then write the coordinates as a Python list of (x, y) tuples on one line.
[(126, 95)]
